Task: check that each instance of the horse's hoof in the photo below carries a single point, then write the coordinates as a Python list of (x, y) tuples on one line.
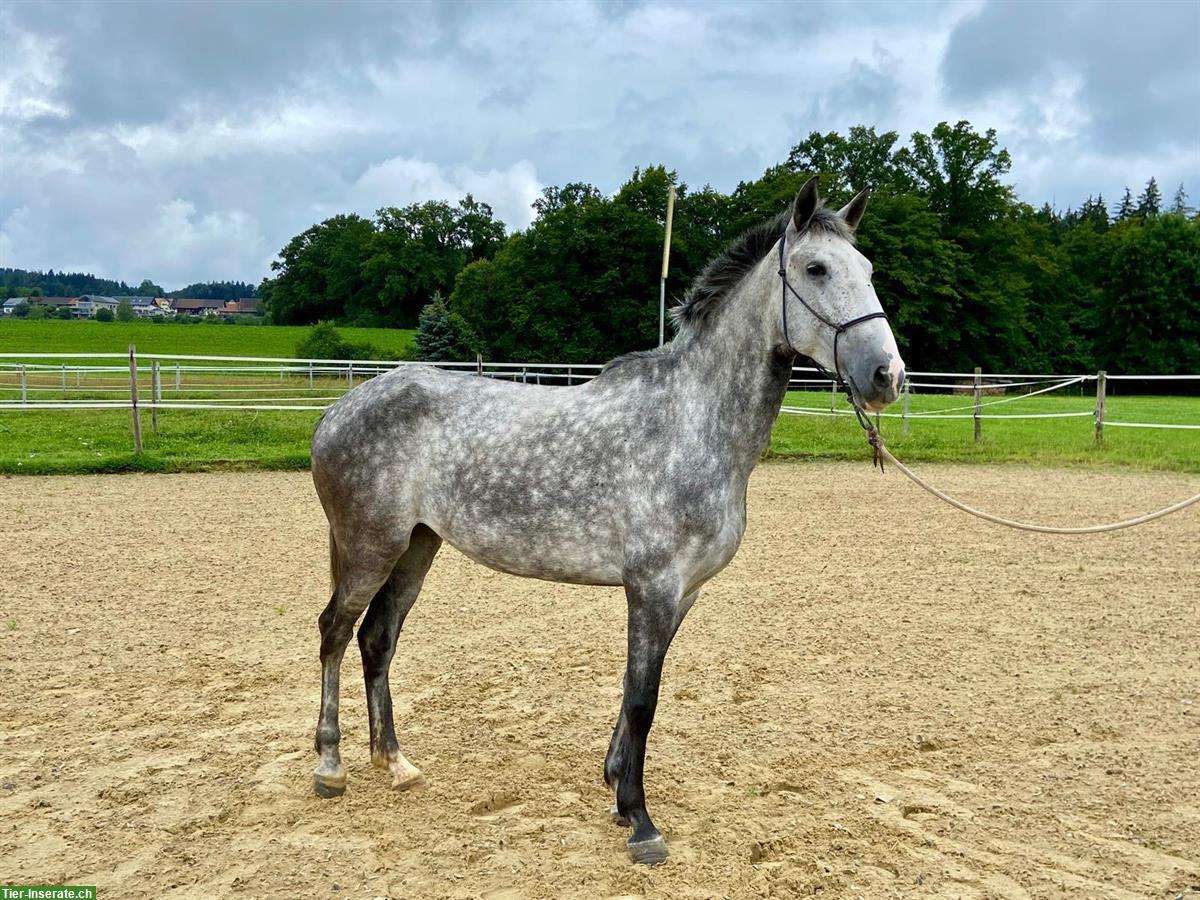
[(651, 852), (327, 785), (617, 818), (407, 781)]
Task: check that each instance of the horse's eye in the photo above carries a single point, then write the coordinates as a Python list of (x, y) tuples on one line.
[(816, 270)]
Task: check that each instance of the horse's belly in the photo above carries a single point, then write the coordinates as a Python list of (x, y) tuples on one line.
[(572, 558)]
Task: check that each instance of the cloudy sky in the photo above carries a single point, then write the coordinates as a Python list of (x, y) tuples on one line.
[(187, 141)]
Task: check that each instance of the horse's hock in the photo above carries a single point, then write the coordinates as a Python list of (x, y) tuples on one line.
[(957, 710)]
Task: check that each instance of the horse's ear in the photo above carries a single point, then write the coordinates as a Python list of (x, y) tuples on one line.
[(806, 204), (853, 211)]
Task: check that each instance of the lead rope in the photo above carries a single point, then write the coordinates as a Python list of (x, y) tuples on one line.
[(881, 452)]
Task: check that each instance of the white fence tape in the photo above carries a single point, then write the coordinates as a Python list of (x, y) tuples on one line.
[(40, 374)]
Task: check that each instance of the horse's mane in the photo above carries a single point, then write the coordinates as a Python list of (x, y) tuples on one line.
[(716, 282)]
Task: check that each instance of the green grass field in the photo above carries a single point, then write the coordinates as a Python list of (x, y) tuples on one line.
[(37, 441), (202, 339), (45, 442)]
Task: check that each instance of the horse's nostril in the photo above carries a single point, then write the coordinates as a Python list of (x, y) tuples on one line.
[(882, 378)]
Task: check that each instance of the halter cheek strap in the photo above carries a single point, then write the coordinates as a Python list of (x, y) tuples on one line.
[(836, 374)]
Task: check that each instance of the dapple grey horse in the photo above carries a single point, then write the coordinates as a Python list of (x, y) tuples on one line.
[(636, 478)]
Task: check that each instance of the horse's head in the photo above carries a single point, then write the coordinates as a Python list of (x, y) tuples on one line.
[(829, 309)]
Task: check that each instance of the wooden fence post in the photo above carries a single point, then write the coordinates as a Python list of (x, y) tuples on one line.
[(350, 374), (155, 394), (478, 363), (1101, 392), (904, 414), (978, 404), (569, 381), (310, 375), (178, 378), (24, 387), (833, 400), (64, 375), (136, 421)]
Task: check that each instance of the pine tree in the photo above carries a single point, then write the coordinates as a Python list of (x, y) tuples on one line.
[(1179, 204), (1150, 202), (437, 338), (1126, 209)]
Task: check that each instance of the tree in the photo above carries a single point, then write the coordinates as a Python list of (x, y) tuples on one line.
[(319, 271), (848, 164), (1179, 205), (576, 193), (21, 310), (149, 289), (125, 311), (577, 286), (442, 335), (104, 314), (1150, 314), (960, 171), (1126, 209), (63, 312), (1150, 202)]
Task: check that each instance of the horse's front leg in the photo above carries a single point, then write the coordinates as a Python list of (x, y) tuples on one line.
[(656, 608)]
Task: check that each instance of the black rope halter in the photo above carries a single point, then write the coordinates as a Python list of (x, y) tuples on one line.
[(836, 374)]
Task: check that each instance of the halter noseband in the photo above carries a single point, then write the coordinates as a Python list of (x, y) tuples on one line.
[(836, 374)]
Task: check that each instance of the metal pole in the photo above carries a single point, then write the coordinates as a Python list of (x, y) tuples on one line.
[(662, 282), (178, 379), (310, 376), (904, 414), (64, 375), (833, 400), (24, 387), (1101, 392), (136, 422)]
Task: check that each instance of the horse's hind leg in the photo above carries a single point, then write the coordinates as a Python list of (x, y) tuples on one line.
[(358, 579), (377, 642)]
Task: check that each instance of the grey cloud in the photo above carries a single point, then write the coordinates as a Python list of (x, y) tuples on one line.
[(1136, 64), (190, 140)]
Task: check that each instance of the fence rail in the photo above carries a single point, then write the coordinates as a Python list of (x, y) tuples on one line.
[(173, 381)]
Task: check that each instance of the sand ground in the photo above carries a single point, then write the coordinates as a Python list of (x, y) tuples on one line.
[(879, 697)]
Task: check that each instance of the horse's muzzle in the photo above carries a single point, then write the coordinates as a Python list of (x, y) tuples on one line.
[(883, 386)]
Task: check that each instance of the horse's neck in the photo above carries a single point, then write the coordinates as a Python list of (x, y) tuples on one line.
[(740, 370)]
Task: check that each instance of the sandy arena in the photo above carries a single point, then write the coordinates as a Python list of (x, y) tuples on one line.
[(880, 697)]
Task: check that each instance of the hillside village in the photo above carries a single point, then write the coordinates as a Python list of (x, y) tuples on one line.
[(88, 306)]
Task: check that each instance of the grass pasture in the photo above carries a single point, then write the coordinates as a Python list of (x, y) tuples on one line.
[(200, 339), (79, 441)]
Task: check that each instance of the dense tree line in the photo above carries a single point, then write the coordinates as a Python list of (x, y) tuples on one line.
[(969, 274), (22, 283), (215, 290)]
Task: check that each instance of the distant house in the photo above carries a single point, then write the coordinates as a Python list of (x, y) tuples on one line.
[(88, 305), (149, 307), (10, 305), (246, 306), (52, 302), (186, 306)]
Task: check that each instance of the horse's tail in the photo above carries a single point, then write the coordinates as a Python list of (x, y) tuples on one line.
[(333, 562)]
